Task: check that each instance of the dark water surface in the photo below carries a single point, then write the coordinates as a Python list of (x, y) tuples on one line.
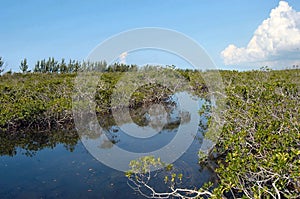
[(53, 166)]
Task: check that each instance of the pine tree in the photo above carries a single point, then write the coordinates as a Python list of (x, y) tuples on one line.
[(37, 67), (24, 66), (76, 67), (71, 66), (63, 67), (43, 66), (1, 65)]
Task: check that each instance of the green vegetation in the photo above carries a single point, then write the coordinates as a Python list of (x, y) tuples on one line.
[(142, 171), (258, 152), (260, 141), (35, 101), (257, 155)]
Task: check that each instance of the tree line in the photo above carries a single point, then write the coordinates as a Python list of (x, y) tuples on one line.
[(72, 66)]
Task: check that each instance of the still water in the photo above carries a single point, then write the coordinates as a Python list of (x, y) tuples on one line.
[(57, 165)]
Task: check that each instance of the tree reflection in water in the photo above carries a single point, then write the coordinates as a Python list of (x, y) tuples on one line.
[(29, 142), (165, 117)]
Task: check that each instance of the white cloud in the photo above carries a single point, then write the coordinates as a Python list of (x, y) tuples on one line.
[(122, 57), (275, 42)]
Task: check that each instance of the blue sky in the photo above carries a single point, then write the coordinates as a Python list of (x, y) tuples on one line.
[(71, 28)]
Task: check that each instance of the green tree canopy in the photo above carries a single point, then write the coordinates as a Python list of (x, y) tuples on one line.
[(24, 66)]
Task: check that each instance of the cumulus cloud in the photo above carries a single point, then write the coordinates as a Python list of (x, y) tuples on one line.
[(275, 42), (122, 57)]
